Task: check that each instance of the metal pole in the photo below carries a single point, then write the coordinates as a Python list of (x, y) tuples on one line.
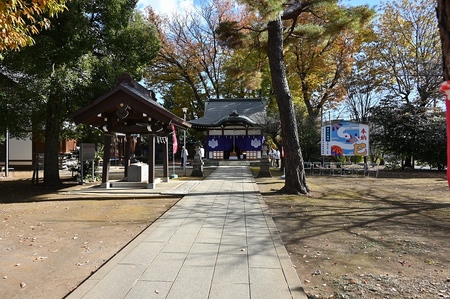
[(184, 144), (80, 158), (7, 153), (93, 170), (173, 163)]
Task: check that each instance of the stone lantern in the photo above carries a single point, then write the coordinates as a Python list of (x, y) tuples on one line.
[(197, 164), (264, 164)]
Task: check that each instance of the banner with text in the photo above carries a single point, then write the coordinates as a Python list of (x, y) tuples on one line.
[(345, 138)]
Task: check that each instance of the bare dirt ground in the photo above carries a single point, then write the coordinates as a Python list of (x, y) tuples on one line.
[(52, 239), (360, 237), (353, 237)]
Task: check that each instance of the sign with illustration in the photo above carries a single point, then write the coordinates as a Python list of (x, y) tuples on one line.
[(344, 138)]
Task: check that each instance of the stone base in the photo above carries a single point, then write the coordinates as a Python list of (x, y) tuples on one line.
[(131, 185), (264, 170), (197, 171), (151, 186), (138, 172)]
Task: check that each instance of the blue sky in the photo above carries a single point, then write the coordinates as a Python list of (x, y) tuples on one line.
[(168, 6), (361, 2)]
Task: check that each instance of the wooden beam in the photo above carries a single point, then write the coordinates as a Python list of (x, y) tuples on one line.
[(166, 160), (151, 162), (106, 159), (126, 157)]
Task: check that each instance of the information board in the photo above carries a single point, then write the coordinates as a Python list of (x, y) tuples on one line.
[(87, 151), (345, 138)]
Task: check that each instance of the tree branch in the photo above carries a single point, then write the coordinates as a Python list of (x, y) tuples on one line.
[(292, 10)]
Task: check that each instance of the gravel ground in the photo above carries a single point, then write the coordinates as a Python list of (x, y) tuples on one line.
[(359, 237)]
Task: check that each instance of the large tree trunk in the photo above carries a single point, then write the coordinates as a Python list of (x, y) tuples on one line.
[(295, 179), (52, 130), (443, 14)]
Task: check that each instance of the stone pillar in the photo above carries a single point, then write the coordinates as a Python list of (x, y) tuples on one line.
[(127, 157), (151, 162), (106, 161)]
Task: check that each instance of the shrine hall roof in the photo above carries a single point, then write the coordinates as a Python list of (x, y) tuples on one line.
[(219, 112)]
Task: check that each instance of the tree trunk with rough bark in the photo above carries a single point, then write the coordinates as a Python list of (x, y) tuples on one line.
[(52, 130), (295, 178), (443, 15)]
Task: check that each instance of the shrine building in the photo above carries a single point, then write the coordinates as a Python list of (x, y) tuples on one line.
[(233, 128)]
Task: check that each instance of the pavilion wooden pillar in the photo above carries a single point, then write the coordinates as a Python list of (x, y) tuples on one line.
[(106, 161), (166, 160), (126, 160), (151, 162)]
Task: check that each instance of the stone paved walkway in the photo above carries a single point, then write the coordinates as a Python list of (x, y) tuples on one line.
[(217, 242)]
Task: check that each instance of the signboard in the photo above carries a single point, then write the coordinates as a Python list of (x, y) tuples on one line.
[(345, 138), (87, 151)]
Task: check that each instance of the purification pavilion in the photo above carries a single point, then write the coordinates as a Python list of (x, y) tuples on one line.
[(131, 109)]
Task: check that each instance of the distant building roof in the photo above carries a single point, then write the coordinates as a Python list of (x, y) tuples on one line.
[(220, 112)]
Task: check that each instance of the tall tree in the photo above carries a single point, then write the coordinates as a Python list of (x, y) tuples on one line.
[(295, 182), (362, 85), (321, 49), (408, 49), (193, 65), (408, 54), (282, 18), (443, 16), (275, 13), (403, 129), (79, 58)]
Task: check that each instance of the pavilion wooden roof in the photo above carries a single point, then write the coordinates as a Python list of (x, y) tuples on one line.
[(129, 108)]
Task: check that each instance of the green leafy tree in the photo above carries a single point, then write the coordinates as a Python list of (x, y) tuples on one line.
[(279, 24), (308, 133), (321, 49), (320, 53), (295, 182), (432, 146), (405, 130), (76, 60), (193, 65), (408, 54)]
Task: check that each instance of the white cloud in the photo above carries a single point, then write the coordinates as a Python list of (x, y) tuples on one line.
[(166, 7)]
